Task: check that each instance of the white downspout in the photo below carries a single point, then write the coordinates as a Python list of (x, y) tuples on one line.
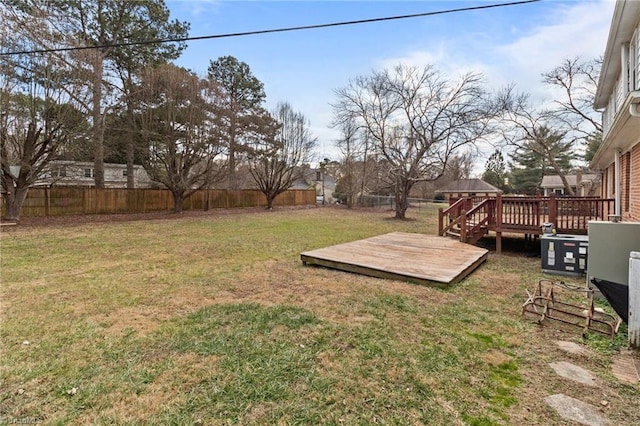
[(616, 172)]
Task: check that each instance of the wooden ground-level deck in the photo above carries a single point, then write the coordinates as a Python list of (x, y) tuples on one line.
[(423, 259)]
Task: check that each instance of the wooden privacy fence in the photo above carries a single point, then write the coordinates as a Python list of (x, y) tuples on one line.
[(68, 200)]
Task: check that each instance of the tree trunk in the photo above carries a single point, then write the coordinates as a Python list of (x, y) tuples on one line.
[(15, 200), (270, 199), (400, 209), (98, 123), (565, 182), (232, 153), (563, 176), (130, 155), (402, 198), (178, 202), (131, 131)]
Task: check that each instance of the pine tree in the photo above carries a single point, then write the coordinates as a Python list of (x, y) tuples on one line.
[(544, 152), (495, 170)]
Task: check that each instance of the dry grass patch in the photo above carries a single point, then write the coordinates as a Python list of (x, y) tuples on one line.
[(213, 319)]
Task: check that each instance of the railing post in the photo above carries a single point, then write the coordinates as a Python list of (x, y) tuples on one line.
[(440, 222), (553, 210), (536, 210), (491, 205), (463, 226)]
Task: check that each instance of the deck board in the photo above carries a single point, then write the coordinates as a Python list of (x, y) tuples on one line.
[(424, 259)]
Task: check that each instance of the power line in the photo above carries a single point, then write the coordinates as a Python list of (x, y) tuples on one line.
[(275, 30)]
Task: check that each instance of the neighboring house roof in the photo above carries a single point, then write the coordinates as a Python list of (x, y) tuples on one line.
[(554, 181), (306, 180), (469, 185), (309, 180)]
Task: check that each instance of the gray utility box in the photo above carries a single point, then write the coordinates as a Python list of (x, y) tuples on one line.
[(564, 254), (611, 244)]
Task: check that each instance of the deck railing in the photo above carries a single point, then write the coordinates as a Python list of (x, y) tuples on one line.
[(454, 214), (523, 214)]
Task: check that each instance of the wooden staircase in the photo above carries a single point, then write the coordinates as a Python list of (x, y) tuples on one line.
[(470, 237), (467, 223)]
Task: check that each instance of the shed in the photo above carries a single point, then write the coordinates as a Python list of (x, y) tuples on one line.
[(468, 188)]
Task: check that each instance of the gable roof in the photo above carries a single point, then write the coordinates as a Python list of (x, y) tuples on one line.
[(469, 185), (554, 181)]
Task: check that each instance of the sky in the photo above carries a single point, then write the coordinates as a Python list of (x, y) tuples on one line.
[(508, 45)]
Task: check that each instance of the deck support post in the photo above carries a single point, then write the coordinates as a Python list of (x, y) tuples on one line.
[(553, 210), (440, 222)]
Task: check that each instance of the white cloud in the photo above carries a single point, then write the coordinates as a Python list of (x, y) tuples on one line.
[(576, 29)]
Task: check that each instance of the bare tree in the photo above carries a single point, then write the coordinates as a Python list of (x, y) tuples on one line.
[(542, 134), (177, 121), (38, 111), (354, 149), (99, 25), (36, 121), (275, 161), (417, 120), (578, 79)]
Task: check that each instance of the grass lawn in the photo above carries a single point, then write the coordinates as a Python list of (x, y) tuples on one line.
[(213, 319)]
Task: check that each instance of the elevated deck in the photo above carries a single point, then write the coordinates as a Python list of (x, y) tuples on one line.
[(470, 218), (423, 259)]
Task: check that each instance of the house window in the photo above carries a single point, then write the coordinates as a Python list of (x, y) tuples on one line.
[(612, 181), (124, 173), (59, 172), (89, 173), (558, 191)]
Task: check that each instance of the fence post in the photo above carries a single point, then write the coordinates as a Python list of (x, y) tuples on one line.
[(498, 223), (440, 222), (47, 202)]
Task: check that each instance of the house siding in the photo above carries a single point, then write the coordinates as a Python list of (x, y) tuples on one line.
[(629, 182), (634, 184), (625, 174), (68, 173)]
